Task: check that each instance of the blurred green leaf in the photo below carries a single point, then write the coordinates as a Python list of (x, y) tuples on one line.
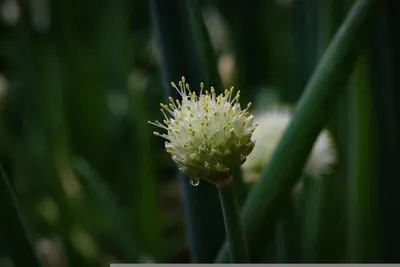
[(19, 244)]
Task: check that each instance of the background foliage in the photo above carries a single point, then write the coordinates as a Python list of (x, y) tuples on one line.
[(80, 79)]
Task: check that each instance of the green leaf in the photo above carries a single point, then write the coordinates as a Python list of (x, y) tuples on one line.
[(362, 211)]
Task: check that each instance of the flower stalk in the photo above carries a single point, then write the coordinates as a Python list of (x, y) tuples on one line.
[(233, 226), (208, 135)]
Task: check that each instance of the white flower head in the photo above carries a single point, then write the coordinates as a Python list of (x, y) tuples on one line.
[(272, 125), (207, 135)]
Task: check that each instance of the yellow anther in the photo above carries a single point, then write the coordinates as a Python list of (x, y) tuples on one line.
[(187, 86), (173, 84), (232, 89), (177, 102), (249, 105), (207, 92), (180, 83), (201, 85), (170, 99), (171, 106), (183, 79), (156, 133), (188, 107)]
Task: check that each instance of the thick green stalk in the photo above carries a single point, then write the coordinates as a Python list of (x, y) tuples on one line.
[(19, 244), (233, 225), (362, 177), (319, 99)]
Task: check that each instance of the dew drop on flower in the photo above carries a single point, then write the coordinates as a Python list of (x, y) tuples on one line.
[(194, 181)]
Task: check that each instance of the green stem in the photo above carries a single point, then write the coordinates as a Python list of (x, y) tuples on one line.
[(19, 244), (234, 231)]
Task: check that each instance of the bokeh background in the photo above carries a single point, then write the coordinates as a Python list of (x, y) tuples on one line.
[(80, 79)]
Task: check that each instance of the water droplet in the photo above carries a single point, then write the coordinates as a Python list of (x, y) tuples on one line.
[(194, 181)]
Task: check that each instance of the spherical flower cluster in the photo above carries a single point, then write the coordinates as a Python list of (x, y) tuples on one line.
[(272, 124), (207, 135)]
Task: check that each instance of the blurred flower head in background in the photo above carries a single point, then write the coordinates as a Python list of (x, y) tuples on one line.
[(272, 124), (207, 135)]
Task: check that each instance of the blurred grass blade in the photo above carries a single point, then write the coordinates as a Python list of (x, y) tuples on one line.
[(385, 65), (120, 230), (362, 228), (305, 35), (312, 113), (313, 197), (288, 235), (19, 244), (248, 27), (205, 50), (322, 220), (179, 51)]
